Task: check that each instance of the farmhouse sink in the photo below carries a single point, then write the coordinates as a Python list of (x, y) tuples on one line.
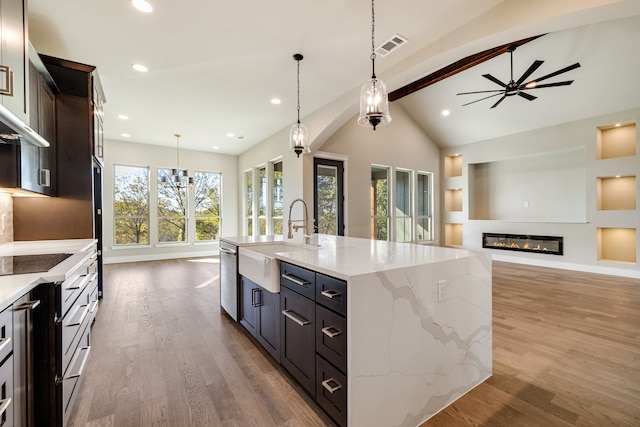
[(259, 264)]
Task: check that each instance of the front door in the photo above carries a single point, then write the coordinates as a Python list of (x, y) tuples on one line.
[(328, 196)]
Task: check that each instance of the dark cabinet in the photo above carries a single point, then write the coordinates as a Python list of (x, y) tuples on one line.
[(314, 336), (298, 337), (259, 314), (14, 57)]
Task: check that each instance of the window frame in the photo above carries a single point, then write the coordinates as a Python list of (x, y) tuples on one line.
[(185, 216), (197, 217)]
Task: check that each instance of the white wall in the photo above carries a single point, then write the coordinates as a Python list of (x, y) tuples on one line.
[(153, 156), (580, 235)]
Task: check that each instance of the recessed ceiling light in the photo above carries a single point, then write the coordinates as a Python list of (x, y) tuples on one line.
[(446, 112), (142, 5), (617, 125), (123, 117), (140, 67), (126, 135), (230, 135), (275, 101), (215, 147), (618, 176)]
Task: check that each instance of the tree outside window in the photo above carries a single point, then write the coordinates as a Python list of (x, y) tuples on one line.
[(248, 180), (131, 205), (277, 205), (172, 209), (207, 190), (379, 203)]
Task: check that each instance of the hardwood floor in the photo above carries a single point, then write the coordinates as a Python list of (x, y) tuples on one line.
[(566, 353)]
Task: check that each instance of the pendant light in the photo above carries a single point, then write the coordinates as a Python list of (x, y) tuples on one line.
[(374, 102), (179, 177), (298, 138)]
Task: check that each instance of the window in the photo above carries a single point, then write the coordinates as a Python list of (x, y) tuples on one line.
[(207, 190), (172, 209), (262, 200), (403, 206), (131, 205), (277, 204), (248, 181), (379, 203), (423, 208)]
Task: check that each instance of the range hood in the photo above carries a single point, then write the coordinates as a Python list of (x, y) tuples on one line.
[(14, 131)]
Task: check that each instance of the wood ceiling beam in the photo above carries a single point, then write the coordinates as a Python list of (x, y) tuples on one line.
[(455, 68)]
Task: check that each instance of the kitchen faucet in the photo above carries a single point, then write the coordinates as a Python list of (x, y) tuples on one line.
[(304, 221)]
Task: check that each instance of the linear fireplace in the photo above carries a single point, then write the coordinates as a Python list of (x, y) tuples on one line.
[(551, 245)]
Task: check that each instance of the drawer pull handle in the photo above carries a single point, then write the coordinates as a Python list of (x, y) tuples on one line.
[(4, 405), (78, 372), (331, 332), (227, 251), (295, 280), (329, 388), (331, 294), (256, 297), (93, 306), (5, 342), (295, 317), (76, 320), (7, 88), (81, 282), (29, 305)]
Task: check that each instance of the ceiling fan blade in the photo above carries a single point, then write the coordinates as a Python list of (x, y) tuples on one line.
[(480, 91), (527, 96), (493, 79), (536, 64), (499, 101), (482, 99), (565, 83), (548, 76)]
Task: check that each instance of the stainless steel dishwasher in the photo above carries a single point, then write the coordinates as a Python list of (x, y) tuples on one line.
[(229, 279)]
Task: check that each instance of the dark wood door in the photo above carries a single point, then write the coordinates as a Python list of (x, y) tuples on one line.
[(298, 347)]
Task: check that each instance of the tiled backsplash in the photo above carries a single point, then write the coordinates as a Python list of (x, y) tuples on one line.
[(6, 218)]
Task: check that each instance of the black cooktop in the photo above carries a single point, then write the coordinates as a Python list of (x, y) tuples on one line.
[(24, 264)]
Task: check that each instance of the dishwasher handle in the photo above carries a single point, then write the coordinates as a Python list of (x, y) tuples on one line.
[(228, 251)]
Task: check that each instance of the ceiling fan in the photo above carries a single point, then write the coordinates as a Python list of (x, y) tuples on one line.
[(518, 87)]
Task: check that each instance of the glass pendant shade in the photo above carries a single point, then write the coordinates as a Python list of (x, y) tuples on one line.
[(298, 139), (374, 104)]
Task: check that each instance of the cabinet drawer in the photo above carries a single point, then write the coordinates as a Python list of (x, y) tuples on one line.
[(73, 377), (6, 392), (297, 343), (298, 279), (331, 337), (72, 327), (331, 391), (6, 333), (331, 293)]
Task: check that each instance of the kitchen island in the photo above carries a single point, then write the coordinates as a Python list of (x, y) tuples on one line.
[(418, 318)]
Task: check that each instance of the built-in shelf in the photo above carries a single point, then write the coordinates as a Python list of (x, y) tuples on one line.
[(616, 193), (618, 140), (453, 234), (617, 244), (453, 200), (452, 165)]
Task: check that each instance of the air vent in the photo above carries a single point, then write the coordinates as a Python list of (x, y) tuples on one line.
[(391, 45)]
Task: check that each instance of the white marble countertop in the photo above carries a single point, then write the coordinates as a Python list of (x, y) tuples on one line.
[(13, 287), (348, 257)]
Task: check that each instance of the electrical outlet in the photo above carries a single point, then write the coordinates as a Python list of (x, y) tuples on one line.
[(442, 286)]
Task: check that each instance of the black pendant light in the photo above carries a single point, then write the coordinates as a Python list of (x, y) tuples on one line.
[(374, 100), (298, 137)]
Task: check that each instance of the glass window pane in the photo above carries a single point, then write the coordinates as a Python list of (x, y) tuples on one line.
[(131, 205), (423, 195), (277, 226), (172, 230), (277, 190), (380, 228), (262, 199), (403, 193), (423, 231), (207, 190), (172, 208), (207, 228), (379, 202), (248, 178), (403, 229), (327, 189)]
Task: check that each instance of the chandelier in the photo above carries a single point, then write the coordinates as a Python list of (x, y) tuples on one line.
[(374, 104), (179, 177), (298, 138)]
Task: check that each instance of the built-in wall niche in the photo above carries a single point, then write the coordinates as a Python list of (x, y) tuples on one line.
[(617, 244), (616, 193), (452, 165), (453, 200), (618, 140), (546, 187), (453, 234)]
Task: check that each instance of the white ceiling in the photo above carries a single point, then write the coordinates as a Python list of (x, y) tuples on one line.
[(214, 66)]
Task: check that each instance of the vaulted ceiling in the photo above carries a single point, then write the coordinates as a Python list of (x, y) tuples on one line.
[(214, 66)]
